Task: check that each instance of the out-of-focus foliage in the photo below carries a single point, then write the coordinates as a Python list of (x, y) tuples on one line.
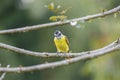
[(95, 34), (60, 14)]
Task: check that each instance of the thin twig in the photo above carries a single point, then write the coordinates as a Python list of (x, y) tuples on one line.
[(35, 27), (3, 75), (92, 54)]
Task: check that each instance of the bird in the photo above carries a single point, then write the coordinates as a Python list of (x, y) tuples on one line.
[(61, 42)]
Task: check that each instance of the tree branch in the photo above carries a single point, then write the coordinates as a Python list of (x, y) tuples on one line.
[(92, 54), (3, 75), (35, 27), (38, 54), (45, 54)]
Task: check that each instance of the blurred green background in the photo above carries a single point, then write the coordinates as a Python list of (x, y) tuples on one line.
[(91, 35)]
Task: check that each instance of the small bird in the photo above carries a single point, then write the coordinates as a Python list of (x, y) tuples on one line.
[(61, 42)]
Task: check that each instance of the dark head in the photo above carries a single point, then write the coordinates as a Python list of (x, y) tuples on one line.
[(57, 34)]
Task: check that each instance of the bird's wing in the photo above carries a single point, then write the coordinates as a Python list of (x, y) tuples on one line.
[(67, 40)]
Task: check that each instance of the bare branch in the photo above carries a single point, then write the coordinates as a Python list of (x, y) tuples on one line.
[(3, 75), (35, 27), (45, 54), (38, 54), (92, 54)]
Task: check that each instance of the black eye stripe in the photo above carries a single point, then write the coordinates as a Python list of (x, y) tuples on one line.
[(56, 32), (59, 34)]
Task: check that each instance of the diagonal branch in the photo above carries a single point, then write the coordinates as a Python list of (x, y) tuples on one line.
[(92, 54), (35, 27)]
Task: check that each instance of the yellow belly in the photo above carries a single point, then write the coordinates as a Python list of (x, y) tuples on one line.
[(61, 45)]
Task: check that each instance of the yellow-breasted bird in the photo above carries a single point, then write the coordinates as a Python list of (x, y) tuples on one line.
[(61, 42)]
